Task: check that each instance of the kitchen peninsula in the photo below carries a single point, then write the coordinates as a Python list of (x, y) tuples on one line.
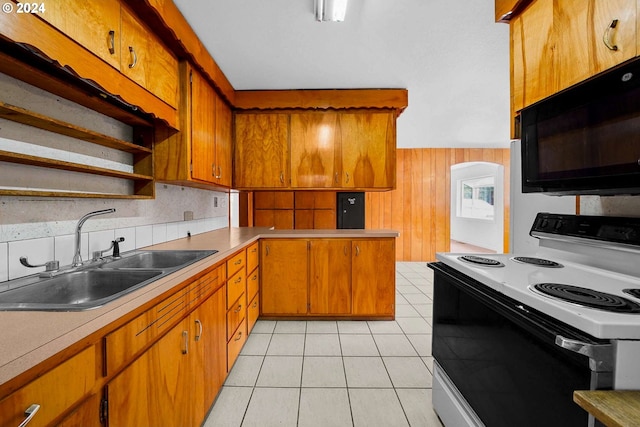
[(72, 363)]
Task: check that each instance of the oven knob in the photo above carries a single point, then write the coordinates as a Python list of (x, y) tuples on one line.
[(558, 225)]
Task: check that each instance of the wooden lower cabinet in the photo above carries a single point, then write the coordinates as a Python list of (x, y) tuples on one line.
[(176, 380), (373, 269), (328, 277), (55, 392), (284, 266), (87, 414)]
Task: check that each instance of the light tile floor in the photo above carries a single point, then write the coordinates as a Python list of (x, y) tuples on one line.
[(337, 373)]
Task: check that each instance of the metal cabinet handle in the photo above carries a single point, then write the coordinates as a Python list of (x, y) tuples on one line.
[(255, 304), (336, 177), (237, 310), (239, 336), (600, 355), (267, 249), (219, 173), (606, 38), (112, 42), (30, 412), (282, 177), (347, 173), (255, 277), (238, 262), (134, 57), (238, 280), (254, 250), (185, 336), (357, 250), (199, 334), (213, 170)]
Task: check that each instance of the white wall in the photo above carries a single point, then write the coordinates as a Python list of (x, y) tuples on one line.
[(479, 232)]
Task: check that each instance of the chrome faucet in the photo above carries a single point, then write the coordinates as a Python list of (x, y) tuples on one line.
[(77, 258)]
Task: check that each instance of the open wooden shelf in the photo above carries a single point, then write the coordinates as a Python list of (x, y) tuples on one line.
[(26, 117)]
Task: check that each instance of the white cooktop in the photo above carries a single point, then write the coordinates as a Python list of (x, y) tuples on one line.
[(514, 280)]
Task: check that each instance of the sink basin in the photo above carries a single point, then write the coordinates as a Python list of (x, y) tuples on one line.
[(79, 290), (158, 259), (97, 284)]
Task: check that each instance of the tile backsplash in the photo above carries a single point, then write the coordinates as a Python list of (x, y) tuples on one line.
[(61, 248)]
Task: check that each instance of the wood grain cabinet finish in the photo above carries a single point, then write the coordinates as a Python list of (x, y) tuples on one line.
[(556, 44), (55, 392), (200, 154), (284, 270), (175, 381), (328, 277), (261, 151)]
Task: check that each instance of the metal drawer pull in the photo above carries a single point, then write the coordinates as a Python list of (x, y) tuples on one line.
[(255, 277), (112, 42), (199, 334), (600, 355), (238, 280), (237, 310), (238, 262), (29, 413), (607, 35), (357, 250), (255, 304), (347, 177), (134, 57), (185, 335), (282, 177), (239, 336)]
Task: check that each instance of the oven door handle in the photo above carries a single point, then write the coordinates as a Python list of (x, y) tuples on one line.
[(600, 355)]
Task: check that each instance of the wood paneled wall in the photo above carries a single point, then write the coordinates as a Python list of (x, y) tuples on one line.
[(419, 207)]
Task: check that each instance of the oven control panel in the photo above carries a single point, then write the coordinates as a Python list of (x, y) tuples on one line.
[(624, 230)]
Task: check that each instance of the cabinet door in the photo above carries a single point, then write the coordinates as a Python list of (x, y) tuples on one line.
[(314, 150), (146, 61), (223, 135), (284, 265), (261, 151), (153, 390), (94, 25), (373, 276), (368, 142), (203, 127), (330, 277), (533, 56), (209, 352), (582, 29)]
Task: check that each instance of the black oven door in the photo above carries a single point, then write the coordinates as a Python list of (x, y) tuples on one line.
[(503, 357)]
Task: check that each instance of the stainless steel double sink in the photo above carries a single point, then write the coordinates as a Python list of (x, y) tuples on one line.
[(97, 283)]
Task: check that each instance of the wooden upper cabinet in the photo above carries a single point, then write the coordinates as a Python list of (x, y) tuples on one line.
[(203, 127), (223, 140), (589, 41), (533, 55), (261, 151), (368, 142), (146, 61), (556, 44), (314, 148), (100, 32)]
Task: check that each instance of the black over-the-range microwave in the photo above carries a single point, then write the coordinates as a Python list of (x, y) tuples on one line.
[(586, 139)]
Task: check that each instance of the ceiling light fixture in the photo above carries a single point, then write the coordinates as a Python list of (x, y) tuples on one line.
[(331, 10)]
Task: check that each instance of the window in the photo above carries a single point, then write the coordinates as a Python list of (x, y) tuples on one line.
[(477, 198)]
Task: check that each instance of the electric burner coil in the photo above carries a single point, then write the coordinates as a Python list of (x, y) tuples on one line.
[(588, 297)]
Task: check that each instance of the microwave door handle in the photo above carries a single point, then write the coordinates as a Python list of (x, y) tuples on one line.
[(600, 355)]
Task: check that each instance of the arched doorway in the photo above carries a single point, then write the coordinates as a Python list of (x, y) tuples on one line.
[(477, 207)]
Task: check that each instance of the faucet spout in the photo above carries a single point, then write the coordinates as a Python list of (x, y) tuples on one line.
[(77, 258)]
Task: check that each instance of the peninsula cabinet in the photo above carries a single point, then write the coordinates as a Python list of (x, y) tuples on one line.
[(328, 278), (556, 44), (261, 151), (200, 154), (346, 149)]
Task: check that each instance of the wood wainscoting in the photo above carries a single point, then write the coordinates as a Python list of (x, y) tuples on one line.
[(419, 207)]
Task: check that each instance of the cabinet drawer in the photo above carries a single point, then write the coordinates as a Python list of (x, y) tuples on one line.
[(253, 284), (123, 344), (206, 285), (236, 287), (235, 315), (253, 311), (235, 345), (235, 263), (55, 391), (252, 257)]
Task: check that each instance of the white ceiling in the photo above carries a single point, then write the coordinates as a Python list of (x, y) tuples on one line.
[(450, 55)]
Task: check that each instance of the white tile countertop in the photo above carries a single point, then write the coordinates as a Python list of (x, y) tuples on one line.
[(28, 338)]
